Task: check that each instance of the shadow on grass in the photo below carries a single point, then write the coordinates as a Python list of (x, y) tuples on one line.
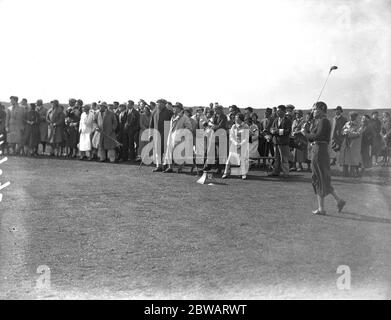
[(359, 217), (359, 180)]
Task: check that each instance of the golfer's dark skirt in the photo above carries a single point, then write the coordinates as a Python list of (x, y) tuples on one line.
[(321, 179)]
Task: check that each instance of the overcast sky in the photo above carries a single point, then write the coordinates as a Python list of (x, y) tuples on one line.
[(248, 53)]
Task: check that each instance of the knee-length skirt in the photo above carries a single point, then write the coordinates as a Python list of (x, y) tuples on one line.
[(321, 177)]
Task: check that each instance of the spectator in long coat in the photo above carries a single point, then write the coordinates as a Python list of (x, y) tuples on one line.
[(386, 136), (336, 133), (366, 141), (377, 141), (301, 144), (178, 121), (131, 129), (31, 130), (281, 131), (56, 120), (43, 125), (85, 129), (145, 120), (3, 133), (121, 117), (350, 156), (266, 148), (15, 125), (218, 121), (158, 118), (239, 147), (72, 131), (107, 124)]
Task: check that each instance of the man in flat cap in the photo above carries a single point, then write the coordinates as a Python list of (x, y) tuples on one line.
[(281, 130), (160, 115), (178, 121), (106, 122), (336, 134), (290, 111)]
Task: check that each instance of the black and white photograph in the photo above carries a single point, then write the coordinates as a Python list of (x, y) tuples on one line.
[(209, 150)]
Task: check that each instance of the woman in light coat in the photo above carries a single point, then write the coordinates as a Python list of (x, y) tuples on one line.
[(350, 155), (85, 130), (239, 147), (178, 121)]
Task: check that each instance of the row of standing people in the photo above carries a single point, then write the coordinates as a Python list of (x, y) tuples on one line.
[(115, 134)]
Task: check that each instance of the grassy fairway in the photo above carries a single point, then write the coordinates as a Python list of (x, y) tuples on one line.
[(114, 231)]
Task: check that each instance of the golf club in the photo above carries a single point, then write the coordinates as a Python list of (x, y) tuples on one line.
[(321, 91)]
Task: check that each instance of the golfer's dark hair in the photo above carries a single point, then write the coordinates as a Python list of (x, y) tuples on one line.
[(321, 106), (249, 109), (282, 107), (375, 112), (240, 116)]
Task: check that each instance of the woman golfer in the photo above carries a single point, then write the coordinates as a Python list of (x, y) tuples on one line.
[(319, 137)]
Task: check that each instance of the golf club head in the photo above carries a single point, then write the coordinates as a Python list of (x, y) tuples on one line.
[(333, 68)]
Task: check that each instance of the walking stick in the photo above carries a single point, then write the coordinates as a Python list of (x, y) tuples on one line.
[(112, 139)]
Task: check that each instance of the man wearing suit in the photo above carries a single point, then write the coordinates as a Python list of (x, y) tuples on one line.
[(159, 115), (281, 130), (106, 124), (122, 117), (265, 142), (131, 128), (336, 133)]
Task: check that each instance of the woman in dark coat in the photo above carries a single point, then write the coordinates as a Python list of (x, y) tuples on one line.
[(319, 137), (31, 135), (71, 132)]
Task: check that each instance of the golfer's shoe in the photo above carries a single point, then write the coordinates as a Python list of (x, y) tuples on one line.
[(319, 213), (341, 203)]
